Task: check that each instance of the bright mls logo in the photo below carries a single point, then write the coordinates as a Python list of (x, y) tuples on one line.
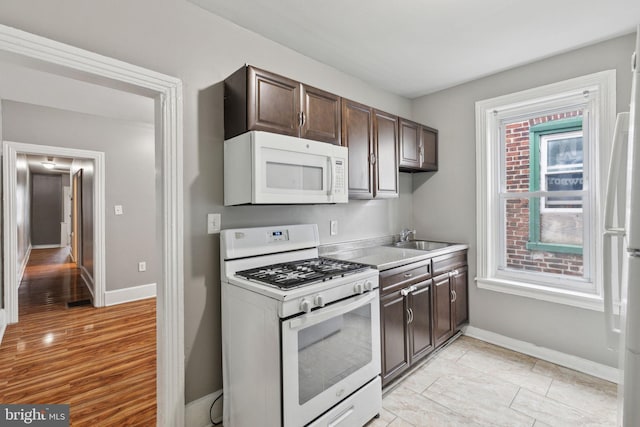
[(34, 415)]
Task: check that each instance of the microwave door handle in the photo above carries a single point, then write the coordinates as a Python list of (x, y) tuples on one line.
[(332, 180), (332, 310)]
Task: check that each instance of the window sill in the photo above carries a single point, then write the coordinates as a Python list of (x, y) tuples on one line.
[(554, 247), (544, 293)]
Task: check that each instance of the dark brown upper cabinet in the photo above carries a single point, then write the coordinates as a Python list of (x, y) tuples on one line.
[(418, 147), (372, 139), (255, 99), (385, 135)]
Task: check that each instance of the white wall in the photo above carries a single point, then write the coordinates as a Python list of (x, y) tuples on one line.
[(445, 205), (178, 38)]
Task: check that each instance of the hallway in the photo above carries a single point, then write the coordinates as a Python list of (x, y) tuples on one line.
[(100, 361)]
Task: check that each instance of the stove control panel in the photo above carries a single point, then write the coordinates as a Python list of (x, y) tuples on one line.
[(278, 236)]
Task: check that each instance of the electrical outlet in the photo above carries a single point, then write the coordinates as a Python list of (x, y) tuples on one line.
[(333, 227), (142, 266), (118, 209), (213, 223)]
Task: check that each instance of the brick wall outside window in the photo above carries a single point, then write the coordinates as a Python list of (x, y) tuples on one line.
[(518, 172)]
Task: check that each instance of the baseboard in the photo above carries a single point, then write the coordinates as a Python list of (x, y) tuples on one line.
[(3, 323), (48, 246), (23, 267), (197, 412), (576, 363), (135, 293)]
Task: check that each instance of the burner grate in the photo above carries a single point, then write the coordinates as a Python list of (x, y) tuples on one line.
[(300, 273)]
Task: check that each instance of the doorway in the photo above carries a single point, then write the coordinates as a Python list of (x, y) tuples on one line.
[(59, 58), (94, 276)]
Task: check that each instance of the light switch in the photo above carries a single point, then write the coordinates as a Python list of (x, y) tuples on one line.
[(118, 209), (213, 223), (142, 266), (333, 227)]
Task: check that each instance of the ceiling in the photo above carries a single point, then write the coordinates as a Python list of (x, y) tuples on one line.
[(23, 83), (62, 164), (415, 47)]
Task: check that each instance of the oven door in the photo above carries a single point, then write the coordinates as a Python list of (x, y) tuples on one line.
[(327, 355)]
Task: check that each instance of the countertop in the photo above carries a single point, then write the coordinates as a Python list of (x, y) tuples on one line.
[(376, 253)]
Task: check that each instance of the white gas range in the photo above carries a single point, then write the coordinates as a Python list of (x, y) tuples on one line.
[(300, 333)]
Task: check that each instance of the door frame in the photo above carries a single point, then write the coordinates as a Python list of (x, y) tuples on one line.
[(76, 216), (62, 59), (10, 151)]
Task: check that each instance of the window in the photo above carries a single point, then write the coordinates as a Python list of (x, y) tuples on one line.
[(541, 154), (557, 161)]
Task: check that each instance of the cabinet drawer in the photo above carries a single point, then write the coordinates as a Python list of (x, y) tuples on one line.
[(396, 278), (448, 262)]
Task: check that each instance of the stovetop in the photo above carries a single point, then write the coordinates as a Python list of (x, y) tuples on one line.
[(293, 274)]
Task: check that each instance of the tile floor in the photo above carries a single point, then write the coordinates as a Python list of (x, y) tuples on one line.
[(473, 383)]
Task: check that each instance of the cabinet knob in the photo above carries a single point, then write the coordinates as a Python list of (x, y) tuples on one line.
[(454, 296)]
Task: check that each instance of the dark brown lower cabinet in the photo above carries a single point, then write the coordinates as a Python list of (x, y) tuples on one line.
[(418, 312), (393, 334), (420, 336), (405, 316), (442, 300), (459, 284)]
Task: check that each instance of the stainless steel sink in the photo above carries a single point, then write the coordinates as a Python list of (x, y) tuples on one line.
[(421, 245)]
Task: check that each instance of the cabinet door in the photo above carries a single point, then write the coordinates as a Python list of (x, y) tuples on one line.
[(357, 135), (385, 135), (393, 332), (409, 144), (321, 120), (442, 321), (459, 284), (273, 103), (429, 148), (420, 335)]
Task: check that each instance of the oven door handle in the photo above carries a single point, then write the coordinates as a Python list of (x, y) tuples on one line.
[(332, 310)]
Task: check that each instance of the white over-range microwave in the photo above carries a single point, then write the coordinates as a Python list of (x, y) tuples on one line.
[(269, 168)]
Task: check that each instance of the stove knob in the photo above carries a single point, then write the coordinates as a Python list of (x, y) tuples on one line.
[(319, 301), (368, 285), (358, 288), (305, 305)]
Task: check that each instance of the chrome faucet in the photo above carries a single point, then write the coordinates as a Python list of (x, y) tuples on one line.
[(404, 234)]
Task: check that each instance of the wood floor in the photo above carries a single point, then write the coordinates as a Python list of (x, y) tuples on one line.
[(100, 361)]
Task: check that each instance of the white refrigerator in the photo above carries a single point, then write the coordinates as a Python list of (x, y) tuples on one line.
[(622, 250)]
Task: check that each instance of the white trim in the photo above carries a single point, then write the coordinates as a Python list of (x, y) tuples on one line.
[(47, 246), (167, 91), (3, 323), (488, 171), (570, 361), (197, 411), (587, 301), (23, 267), (134, 293), (10, 150)]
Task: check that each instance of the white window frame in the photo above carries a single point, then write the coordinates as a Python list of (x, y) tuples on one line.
[(544, 169), (598, 92)]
